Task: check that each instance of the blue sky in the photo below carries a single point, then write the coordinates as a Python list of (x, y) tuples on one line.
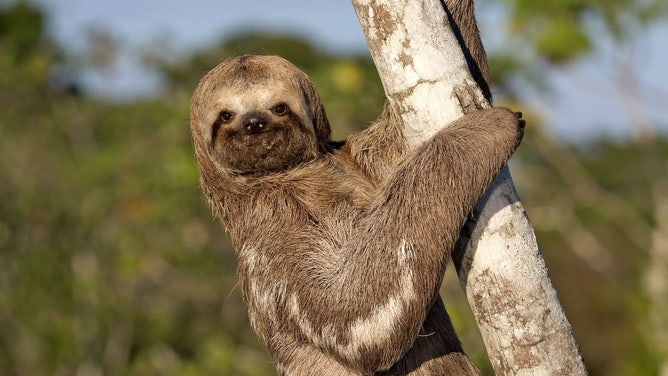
[(198, 22), (585, 101)]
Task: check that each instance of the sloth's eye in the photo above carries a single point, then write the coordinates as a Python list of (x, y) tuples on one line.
[(225, 116), (280, 109)]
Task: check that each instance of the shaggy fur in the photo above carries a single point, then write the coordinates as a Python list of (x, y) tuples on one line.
[(341, 248)]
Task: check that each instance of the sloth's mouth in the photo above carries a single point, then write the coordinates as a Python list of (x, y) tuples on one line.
[(267, 137), (258, 133)]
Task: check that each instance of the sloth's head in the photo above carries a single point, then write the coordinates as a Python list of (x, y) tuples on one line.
[(257, 114)]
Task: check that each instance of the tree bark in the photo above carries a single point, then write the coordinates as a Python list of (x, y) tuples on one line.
[(428, 84)]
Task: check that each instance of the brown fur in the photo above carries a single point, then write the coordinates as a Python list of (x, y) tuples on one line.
[(342, 251), (462, 21)]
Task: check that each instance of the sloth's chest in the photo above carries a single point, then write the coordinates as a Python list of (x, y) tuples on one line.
[(275, 261)]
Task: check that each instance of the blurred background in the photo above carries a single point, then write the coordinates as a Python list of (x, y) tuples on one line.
[(111, 264)]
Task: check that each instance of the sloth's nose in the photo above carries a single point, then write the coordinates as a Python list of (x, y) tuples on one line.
[(254, 124)]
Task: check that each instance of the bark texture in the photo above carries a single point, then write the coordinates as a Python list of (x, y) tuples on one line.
[(428, 84)]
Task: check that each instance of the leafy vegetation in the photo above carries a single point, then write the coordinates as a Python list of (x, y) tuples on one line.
[(110, 263)]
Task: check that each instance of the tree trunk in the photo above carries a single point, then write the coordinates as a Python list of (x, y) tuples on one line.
[(427, 82)]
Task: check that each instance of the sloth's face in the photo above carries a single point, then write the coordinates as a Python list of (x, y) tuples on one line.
[(259, 125)]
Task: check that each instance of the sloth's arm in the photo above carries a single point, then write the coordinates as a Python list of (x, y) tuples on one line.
[(379, 148), (392, 269)]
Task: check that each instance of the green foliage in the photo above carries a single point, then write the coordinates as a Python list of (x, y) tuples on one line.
[(110, 263), (26, 54), (21, 30), (559, 32), (553, 27), (559, 41), (109, 259), (565, 22)]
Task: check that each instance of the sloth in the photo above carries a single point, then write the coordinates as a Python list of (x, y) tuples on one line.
[(341, 246)]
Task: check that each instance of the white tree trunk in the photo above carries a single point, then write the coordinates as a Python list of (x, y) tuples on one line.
[(427, 82)]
